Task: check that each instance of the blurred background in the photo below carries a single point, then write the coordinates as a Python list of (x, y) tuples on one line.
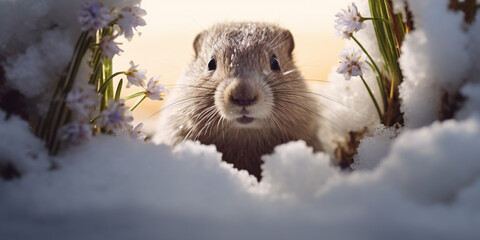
[(165, 44)]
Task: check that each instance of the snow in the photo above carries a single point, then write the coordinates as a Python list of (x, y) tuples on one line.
[(18, 145), (417, 182), (445, 161), (32, 77), (293, 171), (470, 91), (427, 69), (373, 149), (115, 187)]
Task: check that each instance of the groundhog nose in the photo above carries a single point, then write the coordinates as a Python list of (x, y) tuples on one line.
[(243, 101), (243, 94)]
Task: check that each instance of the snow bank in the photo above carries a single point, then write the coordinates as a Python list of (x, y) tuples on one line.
[(427, 187)]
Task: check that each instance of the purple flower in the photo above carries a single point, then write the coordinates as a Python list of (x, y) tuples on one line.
[(94, 16), (129, 19), (116, 117), (109, 47), (75, 132), (82, 100)]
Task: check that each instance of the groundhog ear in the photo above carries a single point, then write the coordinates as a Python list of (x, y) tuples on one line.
[(288, 41), (197, 43)]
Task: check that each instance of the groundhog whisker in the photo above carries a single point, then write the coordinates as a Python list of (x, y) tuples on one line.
[(180, 102), (298, 94), (281, 44), (318, 80), (267, 77), (223, 126), (274, 40), (204, 112), (282, 83), (186, 86), (211, 121), (277, 124), (289, 71), (199, 117), (205, 125), (185, 100), (173, 104), (306, 109), (295, 80), (218, 123)]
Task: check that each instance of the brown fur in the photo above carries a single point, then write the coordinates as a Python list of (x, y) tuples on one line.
[(194, 112)]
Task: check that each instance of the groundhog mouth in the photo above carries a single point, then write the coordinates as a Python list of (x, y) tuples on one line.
[(245, 120)]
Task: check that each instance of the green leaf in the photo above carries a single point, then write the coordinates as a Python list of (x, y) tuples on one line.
[(109, 79), (119, 90), (373, 99)]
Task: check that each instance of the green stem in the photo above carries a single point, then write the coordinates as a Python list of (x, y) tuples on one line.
[(95, 62), (373, 99), (97, 70), (105, 84), (138, 103), (107, 71), (138, 94), (60, 113), (379, 19), (379, 81)]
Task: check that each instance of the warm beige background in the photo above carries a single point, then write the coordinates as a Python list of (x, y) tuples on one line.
[(165, 46)]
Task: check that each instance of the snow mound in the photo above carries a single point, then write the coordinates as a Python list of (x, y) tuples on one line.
[(19, 146), (426, 187), (293, 171)]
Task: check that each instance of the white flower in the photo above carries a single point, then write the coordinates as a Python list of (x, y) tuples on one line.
[(116, 117), (109, 47), (351, 63), (135, 77), (82, 100), (155, 90), (130, 18), (94, 16), (75, 132), (348, 21), (136, 133)]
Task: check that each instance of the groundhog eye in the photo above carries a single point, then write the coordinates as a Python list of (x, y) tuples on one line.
[(212, 64), (274, 64)]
